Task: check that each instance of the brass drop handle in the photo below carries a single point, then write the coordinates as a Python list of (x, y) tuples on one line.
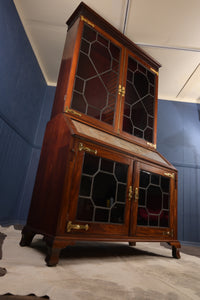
[(81, 147), (136, 194), (71, 226)]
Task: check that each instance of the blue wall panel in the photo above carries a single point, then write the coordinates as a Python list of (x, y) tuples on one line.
[(25, 106), (179, 141)]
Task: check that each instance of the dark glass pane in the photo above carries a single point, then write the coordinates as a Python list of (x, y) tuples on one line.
[(115, 51), (85, 210), (142, 197), (164, 219), (115, 65), (108, 115), (132, 64), (144, 179), (153, 220), (142, 69), (150, 121), (93, 112), (148, 102), (89, 34), (101, 215), (129, 75), (127, 125), (139, 116), (138, 132), (148, 134), (78, 86), (85, 68), (117, 214), (102, 40), (121, 193), (85, 46), (151, 77), (154, 199), (165, 201), (78, 102), (101, 57), (152, 90), (104, 188), (95, 93), (91, 164), (127, 110), (107, 165), (121, 171), (142, 216), (131, 94), (110, 79), (153, 204), (165, 183), (141, 83), (85, 188), (155, 179)]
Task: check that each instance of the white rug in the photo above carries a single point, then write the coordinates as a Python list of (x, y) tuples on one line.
[(90, 271)]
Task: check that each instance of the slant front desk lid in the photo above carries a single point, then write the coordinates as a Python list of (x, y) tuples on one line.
[(98, 136)]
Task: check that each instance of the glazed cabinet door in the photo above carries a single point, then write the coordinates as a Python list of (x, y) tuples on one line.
[(155, 202), (97, 72), (100, 192), (138, 116)]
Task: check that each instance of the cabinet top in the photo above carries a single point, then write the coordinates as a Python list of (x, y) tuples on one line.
[(92, 16)]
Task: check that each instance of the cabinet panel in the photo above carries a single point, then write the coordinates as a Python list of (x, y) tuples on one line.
[(98, 72), (140, 99), (101, 190), (154, 193)]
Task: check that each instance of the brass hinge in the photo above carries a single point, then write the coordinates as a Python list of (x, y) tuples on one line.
[(153, 70), (169, 175), (151, 145), (136, 194), (81, 147), (71, 226), (87, 21), (71, 111), (130, 193), (169, 233), (121, 90)]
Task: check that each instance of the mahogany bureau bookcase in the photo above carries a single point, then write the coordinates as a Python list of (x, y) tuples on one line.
[(100, 177)]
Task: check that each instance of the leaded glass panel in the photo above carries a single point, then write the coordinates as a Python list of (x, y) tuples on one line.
[(154, 200), (102, 194), (138, 115), (97, 76)]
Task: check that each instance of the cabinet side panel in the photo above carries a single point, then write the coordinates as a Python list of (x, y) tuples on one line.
[(45, 205), (65, 68)]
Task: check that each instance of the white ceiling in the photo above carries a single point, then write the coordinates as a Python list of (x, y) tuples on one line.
[(169, 30)]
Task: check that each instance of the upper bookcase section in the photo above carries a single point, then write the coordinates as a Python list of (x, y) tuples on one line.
[(106, 81)]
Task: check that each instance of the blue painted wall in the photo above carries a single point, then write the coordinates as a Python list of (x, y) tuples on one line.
[(25, 106), (179, 141)]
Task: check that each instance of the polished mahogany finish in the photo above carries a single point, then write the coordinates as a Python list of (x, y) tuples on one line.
[(100, 177)]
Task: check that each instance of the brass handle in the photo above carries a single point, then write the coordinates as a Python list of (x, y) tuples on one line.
[(71, 226), (169, 175), (130, 193), (69, 110), (151, 145), (169, 233), (136, 194), (123, 91), (87, 149)]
